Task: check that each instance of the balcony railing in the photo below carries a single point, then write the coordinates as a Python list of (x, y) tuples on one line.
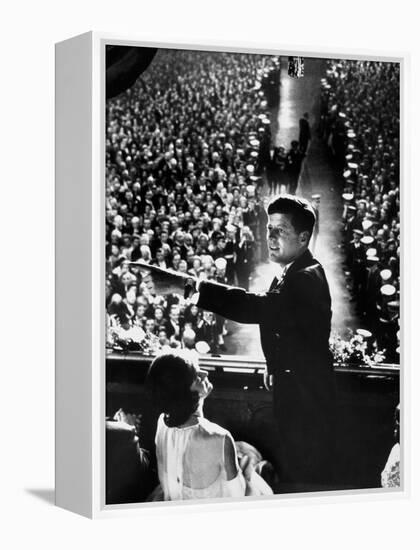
[(246, 365)]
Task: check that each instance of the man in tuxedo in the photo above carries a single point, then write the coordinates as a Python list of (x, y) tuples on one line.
[(357, 262), (304, 133), (129, 477), (294, 316), (294, 164)]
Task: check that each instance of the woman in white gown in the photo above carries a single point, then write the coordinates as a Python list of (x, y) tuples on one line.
[(196, 458)]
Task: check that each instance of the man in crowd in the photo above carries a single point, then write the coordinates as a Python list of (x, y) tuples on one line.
[(357, 262), (304, 133), (294, 163), (294, 316)]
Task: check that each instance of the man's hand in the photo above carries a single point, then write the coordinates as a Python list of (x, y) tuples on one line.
[(248, 458), (268, 381), (162, 281), (130, 421)]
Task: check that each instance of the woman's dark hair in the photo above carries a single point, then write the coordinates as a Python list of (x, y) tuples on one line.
[(302, 215), (170, 376)]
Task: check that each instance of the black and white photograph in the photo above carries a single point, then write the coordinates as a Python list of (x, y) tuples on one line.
[(252, 292)]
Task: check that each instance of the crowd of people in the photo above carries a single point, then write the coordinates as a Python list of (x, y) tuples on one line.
[(187, 149), (360, 123)]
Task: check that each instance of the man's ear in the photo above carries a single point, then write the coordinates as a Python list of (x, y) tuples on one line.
[(304, 237)]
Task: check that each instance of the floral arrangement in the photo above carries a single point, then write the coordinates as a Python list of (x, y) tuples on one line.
[(360, 348)]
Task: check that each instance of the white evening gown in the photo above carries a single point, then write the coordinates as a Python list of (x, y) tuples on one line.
[(191, 463)]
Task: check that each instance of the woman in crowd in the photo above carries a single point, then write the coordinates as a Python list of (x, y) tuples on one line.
[(196, 458)]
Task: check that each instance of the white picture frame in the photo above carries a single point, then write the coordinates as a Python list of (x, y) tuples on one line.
[(80, 280)]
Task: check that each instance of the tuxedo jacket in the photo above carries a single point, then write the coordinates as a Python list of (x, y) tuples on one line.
[(128, 475), (357, 255), (294, 317), (304, 130)]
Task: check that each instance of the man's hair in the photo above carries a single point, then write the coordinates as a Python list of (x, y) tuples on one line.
[(302, 215), (170, 376)]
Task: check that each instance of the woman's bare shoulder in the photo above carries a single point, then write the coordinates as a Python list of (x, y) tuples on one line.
[(211, 429)]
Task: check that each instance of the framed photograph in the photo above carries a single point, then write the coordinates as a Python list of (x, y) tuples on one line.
[(229, 288)]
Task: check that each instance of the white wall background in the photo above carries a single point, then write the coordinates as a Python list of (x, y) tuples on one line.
[(29, 31)]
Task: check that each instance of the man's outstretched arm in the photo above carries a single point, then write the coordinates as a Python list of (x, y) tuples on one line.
[(230, 302)]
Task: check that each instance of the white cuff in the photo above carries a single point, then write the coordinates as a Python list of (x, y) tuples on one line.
[(195, 297)]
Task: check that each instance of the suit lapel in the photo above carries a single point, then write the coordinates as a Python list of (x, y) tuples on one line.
[(273, 285)]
